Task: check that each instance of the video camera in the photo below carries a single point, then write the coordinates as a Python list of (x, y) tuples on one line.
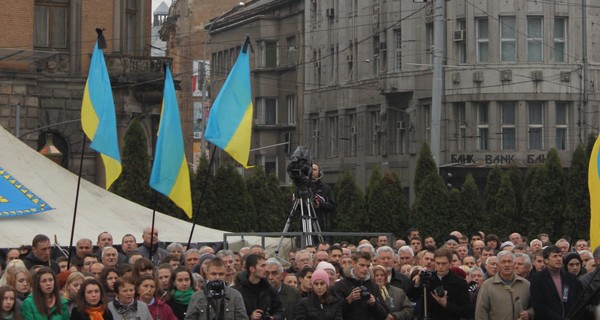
[(215, 289), (300, 167)]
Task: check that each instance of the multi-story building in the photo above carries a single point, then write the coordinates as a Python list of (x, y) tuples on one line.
[(45, 50), (518, 81)]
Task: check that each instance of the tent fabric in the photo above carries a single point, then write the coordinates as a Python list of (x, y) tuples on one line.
[(98, 210)]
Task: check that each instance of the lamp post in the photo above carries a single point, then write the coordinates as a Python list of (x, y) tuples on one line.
[(203, 143)]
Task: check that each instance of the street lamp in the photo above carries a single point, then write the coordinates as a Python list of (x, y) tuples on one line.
[(203, 143)]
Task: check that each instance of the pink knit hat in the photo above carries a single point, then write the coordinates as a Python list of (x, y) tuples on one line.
[(320, 275)]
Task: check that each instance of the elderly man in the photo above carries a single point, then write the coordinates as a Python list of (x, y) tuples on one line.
[(150, 244), (535, 245), (83, 247), (110, 257), (105, 240), (320, 256), (581, 244), (191, 258), (288, 295), (523, 265), (384, 257), (564, 246), (405, 256), (516, 239), (477, 248), (303, 259), (491, 266), (493, 302)]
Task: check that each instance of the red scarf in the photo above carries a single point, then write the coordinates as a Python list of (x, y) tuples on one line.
[(95, 313)]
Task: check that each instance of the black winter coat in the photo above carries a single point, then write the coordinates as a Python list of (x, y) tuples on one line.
[(459, 301), (359, 310), (311, 308), (259, 296)]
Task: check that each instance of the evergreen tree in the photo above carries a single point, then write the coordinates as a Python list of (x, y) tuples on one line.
[(591, 140), (387, 210), (133, 183), (516, 179), (431, 206), (268, 200), (350, 204), (489, 195), (534, 204), (234, 210), (455, 211), (470, 203), (208, 200), (577, 215), (425, 166), (503, 214), (373, 181), (555, 193)]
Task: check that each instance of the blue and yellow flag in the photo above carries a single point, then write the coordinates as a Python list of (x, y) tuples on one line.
[(98, 118), (594, 186), (16, 199), (230, 119), (170, 173)]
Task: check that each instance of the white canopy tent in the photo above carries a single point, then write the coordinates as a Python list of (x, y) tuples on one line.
[(98, 210)]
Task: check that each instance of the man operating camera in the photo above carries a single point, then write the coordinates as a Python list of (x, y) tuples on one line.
[(216, 300), (324, 201)]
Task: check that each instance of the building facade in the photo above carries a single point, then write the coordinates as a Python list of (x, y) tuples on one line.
[(517, 82), (44, 59)]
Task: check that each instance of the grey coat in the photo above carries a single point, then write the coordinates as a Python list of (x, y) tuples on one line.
[(233, 306)]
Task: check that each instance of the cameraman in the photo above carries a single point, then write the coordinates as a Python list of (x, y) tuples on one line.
[(323, 197), (360, 296), (216, 300), (447, 295)]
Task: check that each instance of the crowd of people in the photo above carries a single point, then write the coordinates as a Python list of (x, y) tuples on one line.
[(460, 277)]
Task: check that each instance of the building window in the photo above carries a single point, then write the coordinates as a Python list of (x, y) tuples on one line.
[(398, 49), (268, 54), (461, 126), (536, 125), (427, 122), (562, 125), (332, 130), (482, 39), (509, 117), (483, 125), (352, 135), (316, 134), (292, 51), (429, 42), (291, 109), (461, 45), (376, 129), (508, 39), (266, 111), (130, 25), (560, 39), (269, 163), (376, 53), (51, 24), (399, 127), (535, 30)]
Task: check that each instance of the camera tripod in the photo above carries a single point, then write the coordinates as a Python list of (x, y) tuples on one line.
[(308, 217)]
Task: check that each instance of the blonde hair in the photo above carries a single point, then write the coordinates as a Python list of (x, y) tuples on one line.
[(11, 267), (72, 277)]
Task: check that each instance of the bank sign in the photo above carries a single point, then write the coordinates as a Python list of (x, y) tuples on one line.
[(500, 159)]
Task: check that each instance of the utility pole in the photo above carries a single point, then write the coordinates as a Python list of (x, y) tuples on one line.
[(584, 98), (437, 88)]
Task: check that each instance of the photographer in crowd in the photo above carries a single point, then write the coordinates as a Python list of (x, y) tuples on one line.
[(216, 300), (441, 294), (360, 296)]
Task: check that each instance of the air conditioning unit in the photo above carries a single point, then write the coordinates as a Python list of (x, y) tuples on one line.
[(197, 135), (459, 35), (537, 75), (329, 13), (400, 125), (317, 64), (353, 130), (349, 57)]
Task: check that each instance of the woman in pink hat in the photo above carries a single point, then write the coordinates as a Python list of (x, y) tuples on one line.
[(320, 304)]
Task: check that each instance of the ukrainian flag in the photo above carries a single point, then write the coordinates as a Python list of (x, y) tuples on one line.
[(594, 186), (230, 119), (170, 173), (98, 118)]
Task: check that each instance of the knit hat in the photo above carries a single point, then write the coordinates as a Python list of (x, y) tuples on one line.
[(324, 265), (570, 256), (320, 275), (206, 256)]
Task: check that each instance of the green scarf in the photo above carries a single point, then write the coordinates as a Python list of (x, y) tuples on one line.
[(182, 297)]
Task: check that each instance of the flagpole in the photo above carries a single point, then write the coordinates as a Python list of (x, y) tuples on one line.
[(76, 202), (212, 158), (152, 227)]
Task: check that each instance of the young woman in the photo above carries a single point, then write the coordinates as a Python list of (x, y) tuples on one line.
[(394, 298), (146, 291), (181, 291), (91, 304), (320, 303), (108, 277), (9, 309), (45, 302), (142, 267), (72, 286), (18, 277), (165, 271), (124, 306)]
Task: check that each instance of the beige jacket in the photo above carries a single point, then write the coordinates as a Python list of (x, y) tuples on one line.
[(499, 302)]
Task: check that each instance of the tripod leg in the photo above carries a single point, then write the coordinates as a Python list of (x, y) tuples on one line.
[(287, 224), (306, 223), (315, 221)]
